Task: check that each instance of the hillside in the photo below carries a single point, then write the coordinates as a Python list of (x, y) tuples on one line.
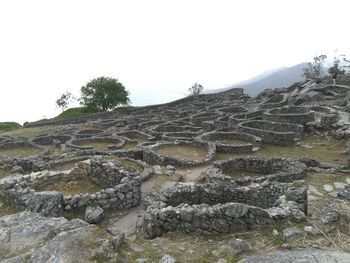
[(272, 79)]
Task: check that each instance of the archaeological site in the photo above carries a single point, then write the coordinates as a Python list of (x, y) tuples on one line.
[(220, 177)]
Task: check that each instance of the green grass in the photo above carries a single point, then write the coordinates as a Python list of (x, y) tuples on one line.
[(74, 112), (322, 148), (29, 132), (19, 152), (99, 258), (8, 126)]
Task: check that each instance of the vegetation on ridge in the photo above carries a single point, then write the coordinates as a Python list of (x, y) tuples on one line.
[(8, 126)]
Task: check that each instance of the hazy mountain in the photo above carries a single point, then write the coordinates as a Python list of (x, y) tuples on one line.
[(275, 78)]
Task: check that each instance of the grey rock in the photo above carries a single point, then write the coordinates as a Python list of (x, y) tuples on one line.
[(275, 232), (344, 194), (118, 241), (291, 234), (94, 215), (167, 259), (232, 247), (46, 203), (47, 239), (339, 185), (142, 260), (10, 182), (136, 248), (312, 230), (327, 215), (328, 187), (17, 169), (300, 256)]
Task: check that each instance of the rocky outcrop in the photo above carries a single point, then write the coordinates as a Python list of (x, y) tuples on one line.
[(30, 237), (301, 256)]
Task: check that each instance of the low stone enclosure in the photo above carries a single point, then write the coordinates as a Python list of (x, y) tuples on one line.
[(231, 142), (99, 143), (221, 204), (179, 153), (20, 148), (273, 132), (263, 168), (120, 188), (296, 115)]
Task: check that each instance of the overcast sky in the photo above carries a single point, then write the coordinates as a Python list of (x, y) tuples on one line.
[(157, 49)]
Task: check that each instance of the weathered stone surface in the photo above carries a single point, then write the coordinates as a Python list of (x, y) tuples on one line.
[(303, 256), (291, 234), (327, 215), (167, 259), (30, 237), (94, 215), (232, 247), (46, 203)]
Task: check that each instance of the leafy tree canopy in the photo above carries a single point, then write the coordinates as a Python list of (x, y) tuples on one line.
[(104, 94)]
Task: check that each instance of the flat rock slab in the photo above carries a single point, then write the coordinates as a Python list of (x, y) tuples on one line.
[(301, 256), (30, 237)]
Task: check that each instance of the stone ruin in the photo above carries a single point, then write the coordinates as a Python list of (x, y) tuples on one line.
[(119, 152)]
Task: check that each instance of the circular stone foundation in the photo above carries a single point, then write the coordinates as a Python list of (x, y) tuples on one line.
[(259, 169), (273, 132), (88, 133), (232, 142), (296, 115), (179, 153), (70, 186), (234, 109), (97, 143), (91, 182), (19, 149)]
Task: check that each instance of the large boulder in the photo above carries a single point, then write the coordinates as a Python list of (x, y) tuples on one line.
[(46, 203)]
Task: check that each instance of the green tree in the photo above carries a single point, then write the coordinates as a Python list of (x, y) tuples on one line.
[(196, 89), (104, 94), (64, 100)]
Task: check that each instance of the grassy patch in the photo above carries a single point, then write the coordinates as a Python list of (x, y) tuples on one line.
[(298, 184), (321, 147), (183, 151), (74, 112), (3, 172), (8, 126), (278, 242), (6, 209), (19, 151), (99, 258), (54, 150), (29, 132), (70, 187)]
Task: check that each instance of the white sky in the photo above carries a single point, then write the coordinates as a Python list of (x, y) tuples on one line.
[(157, 49)]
